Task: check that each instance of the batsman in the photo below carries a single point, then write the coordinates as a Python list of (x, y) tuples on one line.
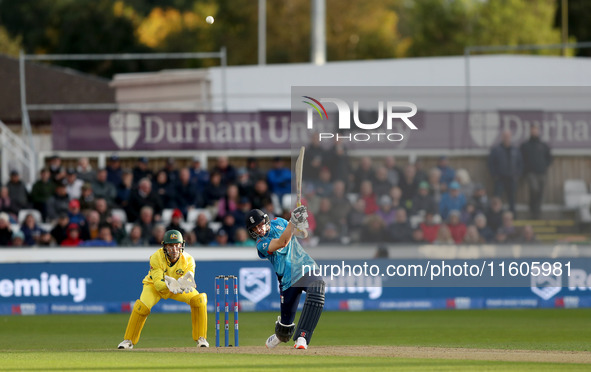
[(277, 242), (171, 275)]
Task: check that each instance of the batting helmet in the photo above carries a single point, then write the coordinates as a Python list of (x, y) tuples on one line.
[(253, 219)]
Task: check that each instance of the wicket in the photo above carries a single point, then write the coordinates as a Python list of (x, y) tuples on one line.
[(224, 279)]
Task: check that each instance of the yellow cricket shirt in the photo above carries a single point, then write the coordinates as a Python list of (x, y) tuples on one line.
[(160, 266)]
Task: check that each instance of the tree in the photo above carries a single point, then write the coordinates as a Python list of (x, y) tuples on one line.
[(8, 45)]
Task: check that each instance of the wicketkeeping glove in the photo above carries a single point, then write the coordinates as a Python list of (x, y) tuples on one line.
[(187, 282), (299, 215), (173, 285)]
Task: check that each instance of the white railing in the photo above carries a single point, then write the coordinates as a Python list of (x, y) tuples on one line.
[(15, 154)]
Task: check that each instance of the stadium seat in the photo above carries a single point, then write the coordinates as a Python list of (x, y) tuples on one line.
[(573, 191), (352, 197), (121, 213), (22, 214), (167, 216), (276, 204), (288, 201), (415, 221), (215, 226), (585, 209), (193, 213), (128, 227)]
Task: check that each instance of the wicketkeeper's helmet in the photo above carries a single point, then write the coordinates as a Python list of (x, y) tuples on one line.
[(253, 219), (173, 237)]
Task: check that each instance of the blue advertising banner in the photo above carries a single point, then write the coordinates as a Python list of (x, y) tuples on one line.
[(101, 287)]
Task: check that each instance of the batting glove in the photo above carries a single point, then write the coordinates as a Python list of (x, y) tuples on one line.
[(187, 282), (299, 215), (173, 285)]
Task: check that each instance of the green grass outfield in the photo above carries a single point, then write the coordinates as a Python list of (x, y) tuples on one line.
[(88, 342)]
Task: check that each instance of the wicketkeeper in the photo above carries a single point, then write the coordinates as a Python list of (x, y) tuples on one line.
[(171, 275), (276, 241)]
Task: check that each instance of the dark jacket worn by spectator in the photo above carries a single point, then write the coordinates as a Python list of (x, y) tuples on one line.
[(19, 196)]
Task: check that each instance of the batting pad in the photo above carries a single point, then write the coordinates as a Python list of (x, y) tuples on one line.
[(199, 315), (136, 322), (311, 312)]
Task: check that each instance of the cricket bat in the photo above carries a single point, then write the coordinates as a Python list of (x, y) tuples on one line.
[(298, 174)]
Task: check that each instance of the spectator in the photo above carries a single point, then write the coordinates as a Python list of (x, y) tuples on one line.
[(330, 234), (467, 215), (422, 201), (17, 191), (18, 239), (203, 234), (58, 174), (73, 184), (528, 236), (87, 198), (366, 193), (42, 191), (325, 215), (421, 175), (456, 227), (105, 239), (255, 173), (85, 171), (229, 225), (356, 220), (5, 230), (58, 202), (165, 190), (444, 236), (472, 236), (394, 172), (244, 206), (242, 239), (536, 161), (45, 240), (484, 231), (214, 191), (466, 185), (90, 230), (104, 211), (103, 188), (323, 187), (314, 159), (400, 230), (261, 195), (135, 238), (175, 222), (6, 205), (381, 184), (506, 165), (74, 214), (226, 171), (141, 171), (418, 237), (172, 174), (73, 236), (435, 188), (386, 212), (279, 178), (494, 214), (337, 160), (146, 222), (451, 200), (221, 238), (199, 176), (124, 189), (245, 183), (408, 183), (157, 235), (114, 171), (60, 230), (118, 229), (448, 174), (229, 203), (185, 192), (341, 205), (396, 195), (363, 173), (373, 230), (32, 232), (480, 199), (429, 228), (508, 233), (143, 197)]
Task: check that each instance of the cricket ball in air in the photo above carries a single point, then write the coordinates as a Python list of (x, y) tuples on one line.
[(209, 19)]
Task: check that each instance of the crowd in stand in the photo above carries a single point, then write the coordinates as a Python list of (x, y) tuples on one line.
[(374, 201)]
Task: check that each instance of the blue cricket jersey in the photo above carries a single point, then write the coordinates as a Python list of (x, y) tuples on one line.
[(287, 262)]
